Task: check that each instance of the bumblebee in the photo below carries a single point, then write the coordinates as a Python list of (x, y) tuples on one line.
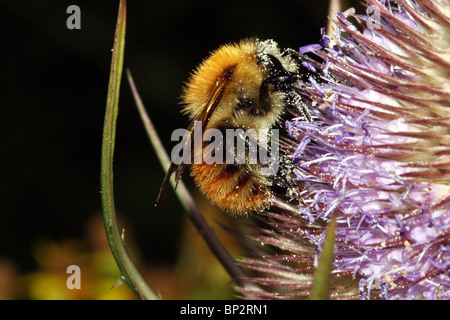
[(245, 85)]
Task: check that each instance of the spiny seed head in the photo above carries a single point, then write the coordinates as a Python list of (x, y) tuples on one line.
[(376, 157)]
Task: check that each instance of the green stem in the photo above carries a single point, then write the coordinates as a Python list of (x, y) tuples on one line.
[(129, 273), (321, 285)]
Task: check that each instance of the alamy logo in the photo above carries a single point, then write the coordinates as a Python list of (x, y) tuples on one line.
[(74, 280), (236, 146), (74, 20)]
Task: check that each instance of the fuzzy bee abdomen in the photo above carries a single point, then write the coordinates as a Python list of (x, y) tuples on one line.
[(237, 189)]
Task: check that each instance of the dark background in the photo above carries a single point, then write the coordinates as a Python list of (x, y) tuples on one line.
[(53, 95)]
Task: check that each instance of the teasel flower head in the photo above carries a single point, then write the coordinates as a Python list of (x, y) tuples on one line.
[(376, 157)]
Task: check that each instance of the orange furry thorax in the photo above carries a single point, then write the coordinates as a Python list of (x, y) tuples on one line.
[(240, 56)]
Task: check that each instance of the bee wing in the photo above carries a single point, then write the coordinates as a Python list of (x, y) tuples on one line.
[(216, 96), (205, 116)]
